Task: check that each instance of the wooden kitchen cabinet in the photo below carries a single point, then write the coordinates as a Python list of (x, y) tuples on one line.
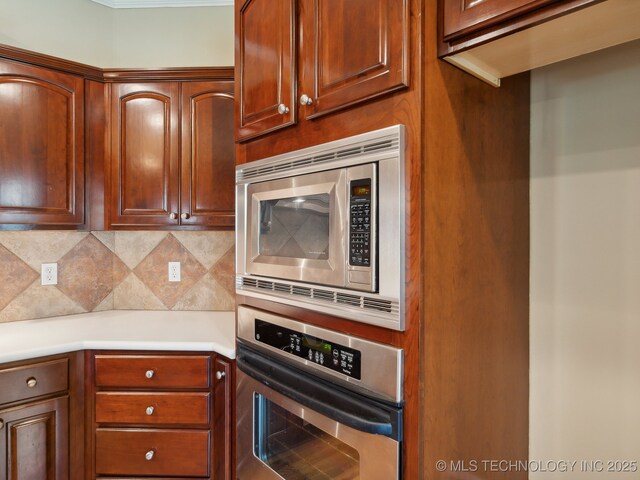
[(172, 154), (161, 415), (339, 52), (41, 146), (38, 401)]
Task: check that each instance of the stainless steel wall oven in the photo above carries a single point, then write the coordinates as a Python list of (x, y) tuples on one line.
[(324, 227), (313, 404)]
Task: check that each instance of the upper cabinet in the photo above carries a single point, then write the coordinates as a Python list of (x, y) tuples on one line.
[(338, 53), (493, 39), (41, 146), (172, 154)]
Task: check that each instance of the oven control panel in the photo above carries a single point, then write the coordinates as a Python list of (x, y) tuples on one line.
[(360, 225), (331, 355)]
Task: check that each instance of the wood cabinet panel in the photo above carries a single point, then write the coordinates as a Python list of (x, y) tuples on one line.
[(223, 420), (159, 408), (169, 371), (34, 380), (152, 452), (145, 155), (208, 154), (41, 146), (351, 51), (265, 54), (34, 441)]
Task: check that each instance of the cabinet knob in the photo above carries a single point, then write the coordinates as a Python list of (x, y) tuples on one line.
[(149, 410), (283, 109), (31, 382), (184, 216), (173, 215), (305, 99), (220, 375), (149, 455), (1, 424), (149, 373)]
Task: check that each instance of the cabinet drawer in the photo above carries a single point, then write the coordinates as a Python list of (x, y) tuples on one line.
[(34, 380), (153, 408), (152, 371), (152, 452)]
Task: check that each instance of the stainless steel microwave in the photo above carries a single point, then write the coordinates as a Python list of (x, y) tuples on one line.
[(324, 227)]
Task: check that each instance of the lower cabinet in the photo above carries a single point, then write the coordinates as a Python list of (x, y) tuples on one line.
[(161, 415), (34, 420)]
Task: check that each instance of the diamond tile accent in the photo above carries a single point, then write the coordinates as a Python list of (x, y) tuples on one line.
[(207, 294), (132, 294), (154, 274), (207, 247), (39, 302), (16, 276), (86, 272), (133, 247), (225, 271), (36, 248)]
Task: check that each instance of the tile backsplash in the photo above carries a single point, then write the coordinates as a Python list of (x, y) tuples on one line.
[(114, 271)]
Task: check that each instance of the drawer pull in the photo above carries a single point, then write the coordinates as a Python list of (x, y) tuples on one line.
[(149, 410), (149, 455), (220, 375), (32, 382), (1, 424), (149, 373)]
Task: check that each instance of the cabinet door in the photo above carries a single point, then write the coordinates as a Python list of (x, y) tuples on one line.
[(223, 423), (144, 154), (208, 154), (265, 59), (41, 146), (465, 16), (34, 441), (351, 51)]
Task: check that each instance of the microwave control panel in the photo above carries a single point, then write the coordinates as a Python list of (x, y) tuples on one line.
[(360, 225), (333, 356)]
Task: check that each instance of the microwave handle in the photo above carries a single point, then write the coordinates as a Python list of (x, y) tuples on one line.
[(323, 397)]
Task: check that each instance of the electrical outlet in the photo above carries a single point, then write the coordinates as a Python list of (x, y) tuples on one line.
[(49, 274), (174, 271)]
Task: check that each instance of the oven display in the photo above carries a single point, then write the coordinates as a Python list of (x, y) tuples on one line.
[(329, 355)]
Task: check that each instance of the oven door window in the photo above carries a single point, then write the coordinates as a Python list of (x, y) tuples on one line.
[(295, 227), (297, 450)]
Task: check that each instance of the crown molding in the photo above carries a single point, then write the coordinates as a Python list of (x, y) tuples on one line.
[(163, 3)]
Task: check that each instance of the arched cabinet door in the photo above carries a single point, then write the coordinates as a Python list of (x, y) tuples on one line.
[(208, 154), (41, 146), (144, 154)]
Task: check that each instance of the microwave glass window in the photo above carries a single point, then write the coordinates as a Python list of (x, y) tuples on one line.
[(297, 450), (296, 227)]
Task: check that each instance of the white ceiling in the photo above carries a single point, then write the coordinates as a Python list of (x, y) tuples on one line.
[(162, 3)]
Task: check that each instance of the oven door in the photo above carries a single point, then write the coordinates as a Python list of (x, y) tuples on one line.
[(298, 428)]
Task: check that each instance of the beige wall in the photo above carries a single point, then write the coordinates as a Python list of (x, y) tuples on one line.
[(585, 262), (90, 33)]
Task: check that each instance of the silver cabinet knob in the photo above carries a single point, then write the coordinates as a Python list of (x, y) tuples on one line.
[(149, 455), (173, 215), (149, 373), (220, 375), (1, 424), (184, 216), (283, 109), (31, 382), (305, 99), (149, 410)]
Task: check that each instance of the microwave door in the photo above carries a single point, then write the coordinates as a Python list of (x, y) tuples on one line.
[(296, 228)]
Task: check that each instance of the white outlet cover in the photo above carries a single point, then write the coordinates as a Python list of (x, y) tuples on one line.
[(174, 271), (49, 274)]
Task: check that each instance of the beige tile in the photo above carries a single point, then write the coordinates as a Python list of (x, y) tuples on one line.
[(39, 302), (153, 271), (85, 273), (224, 271), (106, 304), (15, 276), (133, 247), (206, 247), (108, 239), (120, 271), (37, 247), (207, 294), (132, 294)]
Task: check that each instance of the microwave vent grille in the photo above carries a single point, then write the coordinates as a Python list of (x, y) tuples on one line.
[(314, 158), (321, 296)]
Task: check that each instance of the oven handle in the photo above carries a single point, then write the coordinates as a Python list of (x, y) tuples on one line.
[(330, 400)]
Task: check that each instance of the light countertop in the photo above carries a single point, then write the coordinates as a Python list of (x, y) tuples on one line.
[(119, 330)]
